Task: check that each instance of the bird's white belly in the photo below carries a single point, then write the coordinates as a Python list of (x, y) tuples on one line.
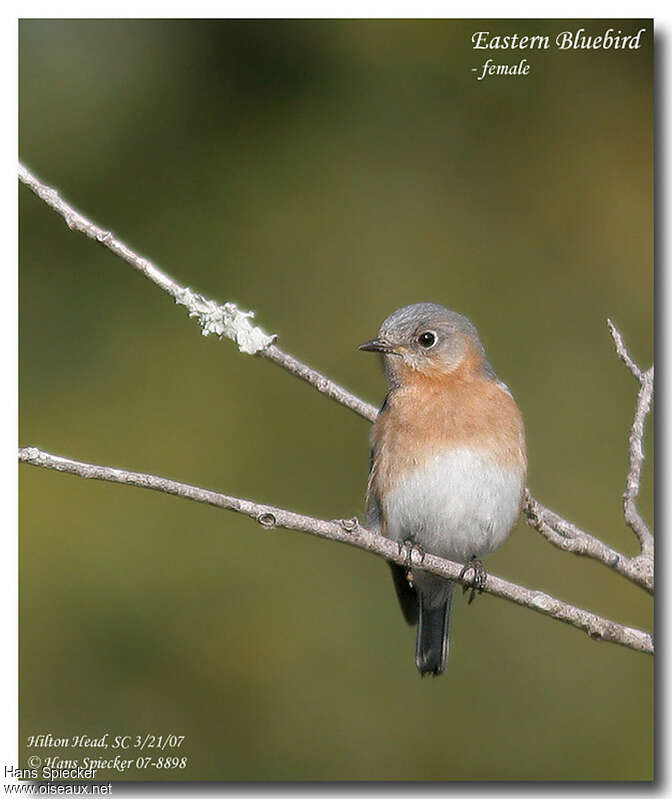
[(457, 504)]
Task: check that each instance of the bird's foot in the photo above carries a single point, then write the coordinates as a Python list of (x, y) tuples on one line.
[(413, 556), (475, 583)]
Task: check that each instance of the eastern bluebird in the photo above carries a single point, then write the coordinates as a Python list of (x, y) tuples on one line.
[(448, 461)]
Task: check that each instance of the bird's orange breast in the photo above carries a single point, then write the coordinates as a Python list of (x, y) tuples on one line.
[(431, 413)]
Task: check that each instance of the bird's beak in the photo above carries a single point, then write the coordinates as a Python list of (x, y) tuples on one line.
[(377, 345)]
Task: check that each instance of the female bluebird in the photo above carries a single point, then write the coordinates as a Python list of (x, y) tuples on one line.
[(448, 462)]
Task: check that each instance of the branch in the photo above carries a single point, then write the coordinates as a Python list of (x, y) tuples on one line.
[(225, 321), (228, 321), (632, 515), (570, 538), (349, 531)]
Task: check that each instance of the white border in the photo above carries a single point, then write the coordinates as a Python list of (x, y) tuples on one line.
[(8, 319)]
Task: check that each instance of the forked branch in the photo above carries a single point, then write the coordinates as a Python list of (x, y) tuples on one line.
[(632, 515)]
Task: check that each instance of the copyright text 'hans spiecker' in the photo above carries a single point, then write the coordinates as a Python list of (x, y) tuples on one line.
[(129, 754)]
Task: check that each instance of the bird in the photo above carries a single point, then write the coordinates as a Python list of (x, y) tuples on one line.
[(448, 462)]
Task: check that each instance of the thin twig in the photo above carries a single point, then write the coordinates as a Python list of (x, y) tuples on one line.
[(320, 382), (349, 531), (228, 321), (632, 515), (644, 396), (622, 351)]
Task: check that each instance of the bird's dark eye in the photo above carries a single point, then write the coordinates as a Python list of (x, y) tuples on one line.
[(427, 339)]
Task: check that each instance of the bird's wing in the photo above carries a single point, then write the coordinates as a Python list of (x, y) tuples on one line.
[(375, 520)]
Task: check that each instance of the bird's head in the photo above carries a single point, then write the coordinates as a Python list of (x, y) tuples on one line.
[(426, 338)]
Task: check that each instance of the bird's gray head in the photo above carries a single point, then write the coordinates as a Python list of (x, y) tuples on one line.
[(427, 338)]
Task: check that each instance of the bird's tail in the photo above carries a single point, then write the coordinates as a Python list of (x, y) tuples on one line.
[(432, 644)]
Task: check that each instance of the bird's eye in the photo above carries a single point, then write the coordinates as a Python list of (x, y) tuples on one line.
[(427, 339)]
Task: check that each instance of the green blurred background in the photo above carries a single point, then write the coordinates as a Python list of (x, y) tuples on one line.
[(323, 173)]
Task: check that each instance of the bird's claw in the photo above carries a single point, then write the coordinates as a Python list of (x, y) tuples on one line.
[(475, 583), (413, 556)]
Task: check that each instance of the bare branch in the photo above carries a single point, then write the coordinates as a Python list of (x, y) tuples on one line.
[(228, 321), (349, 531), (630, 511), (570, 538), (225, 321), (320, 382), (622, 351), (632, 515)]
